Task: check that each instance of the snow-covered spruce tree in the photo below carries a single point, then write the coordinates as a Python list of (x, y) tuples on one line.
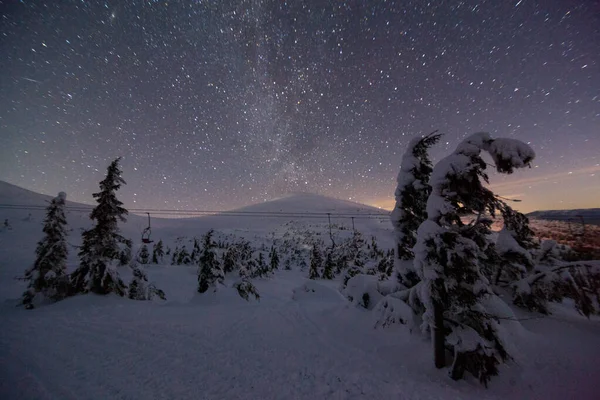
[(158, 252), (316, 262), (100, 251), (183, 257), (448, 260), (125, 255), (209, 268), (274, 259), (231, 258), (144, 255), (411, 195), (328, 268), (195, 251), (47, 275)]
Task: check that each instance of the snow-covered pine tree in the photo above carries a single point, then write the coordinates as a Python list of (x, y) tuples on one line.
[(158, 252), (316, 262), (411, 195), (48, 276), (183, 257), (448, 259), (231, 258), (274, 259), (209, 268), (144, 255), (97, 272), (125, 255), (328, 272), (175, 256), (262, 266), (195, 251)]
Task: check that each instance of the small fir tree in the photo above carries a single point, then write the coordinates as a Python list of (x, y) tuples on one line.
[(158, 253), (125, 255), (144, 255), (231, 259), (175, 256), (183, 257), (245, 287), (97, 272), (195, 251), (47, 276), (209, 271), (274, 259), (411, 195), (316, 262), (328, 269)]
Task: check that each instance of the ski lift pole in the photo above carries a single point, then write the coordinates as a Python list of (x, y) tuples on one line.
[(330, 233)]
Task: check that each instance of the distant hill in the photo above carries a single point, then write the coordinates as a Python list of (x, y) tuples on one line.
[(591, 216), (18, 204)]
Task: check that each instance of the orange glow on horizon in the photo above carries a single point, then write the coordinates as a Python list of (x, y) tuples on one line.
[(560, 191)]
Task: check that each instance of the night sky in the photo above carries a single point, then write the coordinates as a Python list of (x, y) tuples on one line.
[(218, 104)]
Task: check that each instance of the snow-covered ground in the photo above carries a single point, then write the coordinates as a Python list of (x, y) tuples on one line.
[(302, 340)]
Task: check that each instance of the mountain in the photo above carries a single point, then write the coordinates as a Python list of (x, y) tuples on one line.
[(587, 215), (299, 211), (13, 195), (312, 203)]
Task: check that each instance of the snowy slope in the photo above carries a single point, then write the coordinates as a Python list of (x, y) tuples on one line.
[(305, 208), (303, 340)]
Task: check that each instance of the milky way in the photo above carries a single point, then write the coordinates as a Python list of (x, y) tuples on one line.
[(219, 104)]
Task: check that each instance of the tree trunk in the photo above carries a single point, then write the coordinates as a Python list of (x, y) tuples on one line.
[(439, 348), (458, 366)]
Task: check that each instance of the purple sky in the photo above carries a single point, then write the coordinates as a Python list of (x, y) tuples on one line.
[(216, 105)]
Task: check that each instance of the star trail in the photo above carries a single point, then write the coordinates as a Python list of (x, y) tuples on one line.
[(221, 104)]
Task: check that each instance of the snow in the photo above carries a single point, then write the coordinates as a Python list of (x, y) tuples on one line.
[(363, 290), (512, 151), (506, 243), (390, 310), (302, 340)]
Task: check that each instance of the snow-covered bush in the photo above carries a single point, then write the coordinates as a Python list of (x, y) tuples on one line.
[(391, 310), (140, 289), (363, 290), (245, 288)]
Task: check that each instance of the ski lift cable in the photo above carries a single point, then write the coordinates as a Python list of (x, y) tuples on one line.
[(185, 213), (209, 212)]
